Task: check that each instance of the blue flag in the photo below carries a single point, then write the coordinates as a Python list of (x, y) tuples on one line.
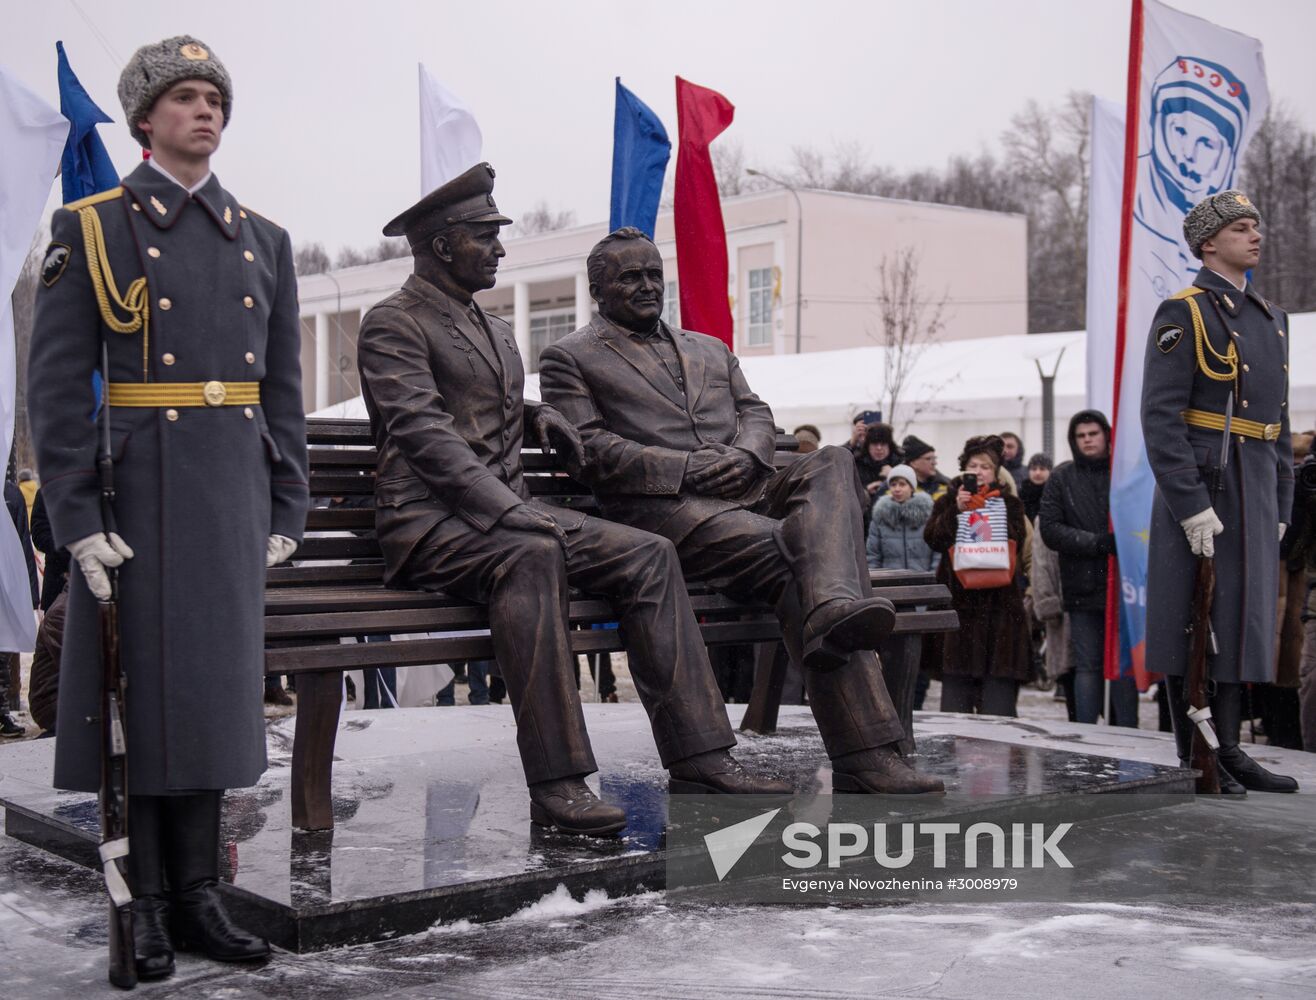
[(86, 167), (640, 151)]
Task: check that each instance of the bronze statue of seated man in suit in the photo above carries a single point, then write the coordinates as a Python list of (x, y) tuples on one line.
[(676, 443), (442, 382)]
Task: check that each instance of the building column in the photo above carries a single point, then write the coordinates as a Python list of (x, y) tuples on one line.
[(321, 360), (584, 304), (521, 320)]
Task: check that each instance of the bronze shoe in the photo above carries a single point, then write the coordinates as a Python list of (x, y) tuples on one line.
[(839, 628), (568, 805), (717, 772), (881, 771)]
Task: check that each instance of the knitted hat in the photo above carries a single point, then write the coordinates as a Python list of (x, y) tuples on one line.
[(1040, 461), (913, 448), (902, 472), (990, 445), (155, 68), (1212, 214)]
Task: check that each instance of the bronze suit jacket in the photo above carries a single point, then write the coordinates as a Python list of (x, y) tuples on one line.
[(446, 413), (639, 427)]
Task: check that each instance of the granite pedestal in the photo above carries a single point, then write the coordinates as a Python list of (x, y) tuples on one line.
[(432, 818)]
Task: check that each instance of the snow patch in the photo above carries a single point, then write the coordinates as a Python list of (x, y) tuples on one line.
[(559, 903), (1247, 964)]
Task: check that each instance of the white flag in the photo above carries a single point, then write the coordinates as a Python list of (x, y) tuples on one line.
[(1105, 190), (32, 135), (1201, 95), (450, 140)]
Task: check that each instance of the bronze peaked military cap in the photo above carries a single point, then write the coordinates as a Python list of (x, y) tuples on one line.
[(466, 198)]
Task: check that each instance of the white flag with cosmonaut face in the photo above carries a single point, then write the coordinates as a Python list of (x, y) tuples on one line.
[(32, 135), (450, 139), (1201, 96)]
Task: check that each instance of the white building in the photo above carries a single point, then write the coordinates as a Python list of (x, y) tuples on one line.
[(975, 260)]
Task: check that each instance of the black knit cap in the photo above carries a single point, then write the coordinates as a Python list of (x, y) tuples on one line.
[(1040, 461), (914, 448)]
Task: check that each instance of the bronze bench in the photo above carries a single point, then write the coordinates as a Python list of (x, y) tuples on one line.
[(311, 606)]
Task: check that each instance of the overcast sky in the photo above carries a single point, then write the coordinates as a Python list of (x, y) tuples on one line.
[(324, 131)]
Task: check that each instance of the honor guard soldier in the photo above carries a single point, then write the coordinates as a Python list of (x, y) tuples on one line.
[(442, 382), (1217, 361), (195, 300)]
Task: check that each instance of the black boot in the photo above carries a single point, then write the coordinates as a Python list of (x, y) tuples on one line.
[(1227, 710), (1183, 735), (198, 919), (881, 771), (567, 804), (153, 947), (720, 773)]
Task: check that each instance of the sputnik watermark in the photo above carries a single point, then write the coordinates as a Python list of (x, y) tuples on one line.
[(1025, 845)]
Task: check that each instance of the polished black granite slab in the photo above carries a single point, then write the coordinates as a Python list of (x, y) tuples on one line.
[(432, 816)]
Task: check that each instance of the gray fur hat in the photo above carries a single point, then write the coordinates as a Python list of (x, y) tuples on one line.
[(155, 68), (1210, 216)]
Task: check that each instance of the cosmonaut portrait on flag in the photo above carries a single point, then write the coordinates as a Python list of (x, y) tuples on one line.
[(1199, 116)]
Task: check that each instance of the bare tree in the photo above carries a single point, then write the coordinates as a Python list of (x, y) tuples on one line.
[(542, 219), (386, 249), (1279, 175), (310, 258), (909, 323), (1048, 151)]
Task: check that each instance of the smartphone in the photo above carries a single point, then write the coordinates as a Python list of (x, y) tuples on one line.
[(970, 481)]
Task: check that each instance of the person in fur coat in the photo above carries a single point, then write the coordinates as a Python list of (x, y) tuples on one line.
[(988, 657)]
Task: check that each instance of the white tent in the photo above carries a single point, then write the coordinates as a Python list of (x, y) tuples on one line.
[(957, 388)]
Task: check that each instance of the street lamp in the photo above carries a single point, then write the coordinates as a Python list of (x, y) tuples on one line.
[(799, 247)]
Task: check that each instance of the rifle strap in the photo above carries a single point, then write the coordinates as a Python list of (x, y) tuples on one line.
[(110, 852), (1201, 717)]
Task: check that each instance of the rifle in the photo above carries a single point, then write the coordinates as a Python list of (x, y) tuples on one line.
[(1203, 641), (114, 751)]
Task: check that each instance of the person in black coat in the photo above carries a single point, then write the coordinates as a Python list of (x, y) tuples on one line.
[(9, 677), (1074, 519), (57, 559)]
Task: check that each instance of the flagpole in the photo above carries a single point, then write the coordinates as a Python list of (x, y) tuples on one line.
[(1133, 106)]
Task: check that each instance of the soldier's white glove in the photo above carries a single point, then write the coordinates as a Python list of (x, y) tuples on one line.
[(1282, 528), (1201, 530), (94, 554), (278, 549)]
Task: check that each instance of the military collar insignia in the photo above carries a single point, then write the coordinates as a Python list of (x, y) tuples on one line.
[(220, 206), (161, 199), (1168, 337), (53, 264)]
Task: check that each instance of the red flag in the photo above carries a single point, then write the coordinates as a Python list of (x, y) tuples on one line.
[(701, 238)]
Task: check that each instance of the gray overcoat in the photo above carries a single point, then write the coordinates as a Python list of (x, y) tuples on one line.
[(200, 487), (1257, 491)]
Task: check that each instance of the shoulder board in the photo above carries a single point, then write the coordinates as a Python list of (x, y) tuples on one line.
[(95, 199), (263, 218), (1188, 292)]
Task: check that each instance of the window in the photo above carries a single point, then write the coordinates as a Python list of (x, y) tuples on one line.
[(546, 329), (671, 305), (760, 307)]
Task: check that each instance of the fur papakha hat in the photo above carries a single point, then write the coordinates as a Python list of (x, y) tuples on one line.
[(1212, 214), (155, 68), (990, 445)]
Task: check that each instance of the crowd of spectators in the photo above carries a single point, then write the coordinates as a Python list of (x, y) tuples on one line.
[(1043, 623)]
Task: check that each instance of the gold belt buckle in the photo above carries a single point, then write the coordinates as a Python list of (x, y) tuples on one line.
[(214, 393), (1271, 432)]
